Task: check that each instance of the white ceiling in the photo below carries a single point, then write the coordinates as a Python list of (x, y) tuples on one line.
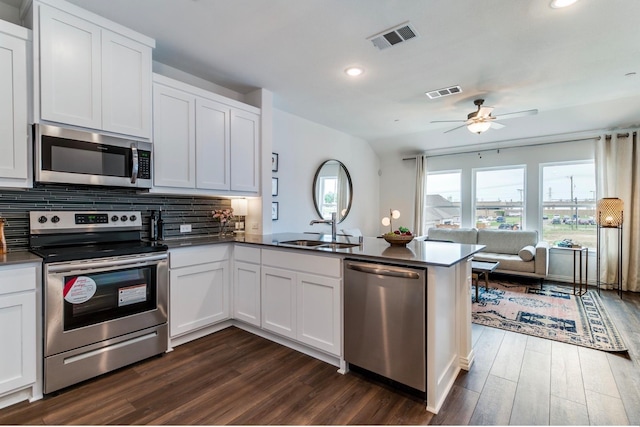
[(570, 64)]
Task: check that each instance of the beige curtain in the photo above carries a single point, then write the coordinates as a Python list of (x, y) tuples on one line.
[(421, 195), (618, 175)]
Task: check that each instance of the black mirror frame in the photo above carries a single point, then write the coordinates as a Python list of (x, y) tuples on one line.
[(315, 181)]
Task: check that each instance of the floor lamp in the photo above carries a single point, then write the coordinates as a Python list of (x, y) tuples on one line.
[(609, 212)]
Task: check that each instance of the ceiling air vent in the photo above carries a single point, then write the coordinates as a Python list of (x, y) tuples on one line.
[(444, 92), (393, 36)]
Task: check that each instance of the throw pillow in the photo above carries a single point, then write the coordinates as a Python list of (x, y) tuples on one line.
[(527, 253)]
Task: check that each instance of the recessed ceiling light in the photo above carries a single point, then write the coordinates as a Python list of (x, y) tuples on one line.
[(354, 71), (557, 4)]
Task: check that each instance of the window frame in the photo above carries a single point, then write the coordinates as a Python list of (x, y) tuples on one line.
[(474, 188), (460, 192), (541, 196)]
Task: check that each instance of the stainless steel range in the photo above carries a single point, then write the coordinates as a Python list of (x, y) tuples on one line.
[(105, 293)]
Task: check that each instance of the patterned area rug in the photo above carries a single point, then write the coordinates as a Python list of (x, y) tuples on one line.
[(553, 313)]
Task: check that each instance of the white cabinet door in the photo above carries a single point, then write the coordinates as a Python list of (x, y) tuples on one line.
[(318, 322), (279, 301), (212, 145), (245, 151), (199, 296), (246, 285), (70, 69), (126, 85), (174, 142), (17, 328), (13, 108)]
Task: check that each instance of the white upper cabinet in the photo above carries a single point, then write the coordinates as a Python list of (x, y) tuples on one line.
[(90, 75), (14, 141), (203, 141), (174, 147), (213, 150), (126, 85), (245, 151)]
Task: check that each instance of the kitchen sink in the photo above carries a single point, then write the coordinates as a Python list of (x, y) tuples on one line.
[(337, 245), (318, 244), (310, 243)]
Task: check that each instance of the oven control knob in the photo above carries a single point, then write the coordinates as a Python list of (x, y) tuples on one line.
[(42, 219), (55, 219), (123, 218), (115, 218), (133, 218)]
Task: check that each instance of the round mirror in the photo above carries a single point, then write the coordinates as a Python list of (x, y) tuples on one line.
[(332, 190)]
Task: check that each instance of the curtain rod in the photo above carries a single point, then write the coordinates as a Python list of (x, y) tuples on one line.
[(484, 150)]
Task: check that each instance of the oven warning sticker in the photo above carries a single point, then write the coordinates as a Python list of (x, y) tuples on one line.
[(132, 294), (79, 289)]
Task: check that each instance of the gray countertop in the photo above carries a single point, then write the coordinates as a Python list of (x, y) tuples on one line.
[(19, 257), (417, 252)]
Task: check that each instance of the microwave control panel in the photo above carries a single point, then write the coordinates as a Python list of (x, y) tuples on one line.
[(144, 164)]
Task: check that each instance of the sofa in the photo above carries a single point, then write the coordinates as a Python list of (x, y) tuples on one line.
[(518, 251)]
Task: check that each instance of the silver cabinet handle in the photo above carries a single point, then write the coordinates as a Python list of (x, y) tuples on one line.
[(384, 270)]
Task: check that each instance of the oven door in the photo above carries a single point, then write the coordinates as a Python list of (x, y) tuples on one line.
[(94, 300)]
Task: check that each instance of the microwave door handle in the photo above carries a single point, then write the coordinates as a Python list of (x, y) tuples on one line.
[(135, 165)]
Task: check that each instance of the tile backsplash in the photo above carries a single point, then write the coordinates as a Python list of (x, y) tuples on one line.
[(15, 206)]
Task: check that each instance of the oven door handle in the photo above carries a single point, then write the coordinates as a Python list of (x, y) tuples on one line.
[(102, 264)]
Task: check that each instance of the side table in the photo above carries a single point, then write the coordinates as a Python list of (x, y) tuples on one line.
[(577, 254), (481, 268)]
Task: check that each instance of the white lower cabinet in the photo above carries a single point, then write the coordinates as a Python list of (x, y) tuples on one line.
[(279, 301), (318, 315), (301, 298), (199, 287), (246, 284), (17, 328)]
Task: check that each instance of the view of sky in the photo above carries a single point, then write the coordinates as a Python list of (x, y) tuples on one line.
[(508, 184)]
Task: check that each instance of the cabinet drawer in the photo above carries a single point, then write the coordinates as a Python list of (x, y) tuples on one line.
[(17, 279), (246, 254), (312, 264), (194, 255)]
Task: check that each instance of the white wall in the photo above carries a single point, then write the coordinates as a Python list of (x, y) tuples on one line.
[(302, 146)]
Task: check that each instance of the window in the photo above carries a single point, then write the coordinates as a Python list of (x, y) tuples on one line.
[(569, 203), (442, 207), (499, 198), (328, 190)]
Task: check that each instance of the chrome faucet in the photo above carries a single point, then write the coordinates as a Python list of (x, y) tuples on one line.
[(331, 221)]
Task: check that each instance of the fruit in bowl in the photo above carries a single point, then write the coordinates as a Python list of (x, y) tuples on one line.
[(399, 237)]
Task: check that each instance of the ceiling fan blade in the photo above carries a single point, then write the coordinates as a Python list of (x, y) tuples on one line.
[(448, 121), (496, 125), (457, 127), (484, 112), (517, 114)]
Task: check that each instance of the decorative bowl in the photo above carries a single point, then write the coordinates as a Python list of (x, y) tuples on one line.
[(397, 239)]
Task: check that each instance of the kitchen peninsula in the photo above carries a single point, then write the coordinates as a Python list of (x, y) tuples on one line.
[(273, 274), (290, 293)]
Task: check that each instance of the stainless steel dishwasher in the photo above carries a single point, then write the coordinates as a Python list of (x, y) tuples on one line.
[(385, 321)]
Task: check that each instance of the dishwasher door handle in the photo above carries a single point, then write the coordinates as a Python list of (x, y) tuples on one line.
[(385, 270)]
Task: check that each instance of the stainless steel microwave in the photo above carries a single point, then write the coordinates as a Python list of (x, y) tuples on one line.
[(69, 156)]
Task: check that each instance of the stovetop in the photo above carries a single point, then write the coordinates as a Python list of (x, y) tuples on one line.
[(98, 250), (60, 236)]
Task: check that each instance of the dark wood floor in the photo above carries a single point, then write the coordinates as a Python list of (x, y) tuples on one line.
[(234, 377)]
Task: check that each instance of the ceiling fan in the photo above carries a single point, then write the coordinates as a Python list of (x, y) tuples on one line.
[(481, 120)]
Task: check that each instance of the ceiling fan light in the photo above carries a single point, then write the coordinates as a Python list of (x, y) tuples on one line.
[(478, 127), (558, 4)]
